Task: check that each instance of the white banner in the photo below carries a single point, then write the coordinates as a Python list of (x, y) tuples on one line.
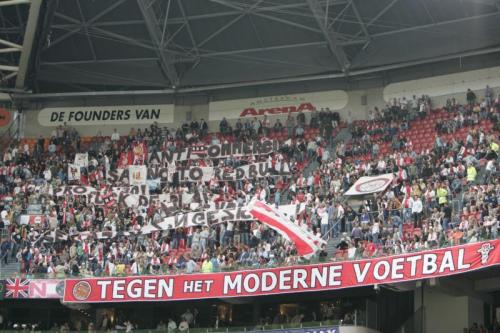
[(137, 175), (134, 196), (107, 115), (367, 185), (276, 105), (236, 149), (211, 217), (82, 159), (74, 172), (249, 171)]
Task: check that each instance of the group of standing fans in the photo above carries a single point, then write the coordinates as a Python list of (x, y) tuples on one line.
[(444, 195)]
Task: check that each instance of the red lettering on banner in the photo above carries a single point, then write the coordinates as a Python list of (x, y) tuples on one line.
[(393, 269), (38, 290), (248, 112), (277, 110), (306, 107)]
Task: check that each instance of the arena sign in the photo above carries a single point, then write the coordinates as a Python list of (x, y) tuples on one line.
[(292, 279), (107, 115), (277, 105)]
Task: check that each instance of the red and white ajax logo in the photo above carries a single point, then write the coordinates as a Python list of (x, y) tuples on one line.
[(82, 290), (485, 250)]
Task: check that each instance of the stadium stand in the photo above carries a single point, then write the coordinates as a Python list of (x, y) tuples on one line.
[(437, 176)]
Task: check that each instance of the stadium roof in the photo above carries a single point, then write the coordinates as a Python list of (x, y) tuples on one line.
[(101, 45)]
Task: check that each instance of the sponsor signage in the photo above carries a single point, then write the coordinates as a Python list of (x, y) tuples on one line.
[(107, 115), (277, 105), (292, 279)]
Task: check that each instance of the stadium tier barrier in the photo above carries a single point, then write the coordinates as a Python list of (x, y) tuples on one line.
[(331, 325), (339, 255)]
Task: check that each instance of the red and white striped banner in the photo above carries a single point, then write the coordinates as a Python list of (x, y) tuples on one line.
[(304, 241), (291, 279)]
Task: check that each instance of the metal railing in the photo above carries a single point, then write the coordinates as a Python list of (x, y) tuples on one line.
[(340, 255), (288, 327)]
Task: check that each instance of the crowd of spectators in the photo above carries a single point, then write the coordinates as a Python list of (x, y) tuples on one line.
[(441, 196)]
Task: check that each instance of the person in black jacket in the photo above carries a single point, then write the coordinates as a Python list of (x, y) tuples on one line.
[(471, 97)]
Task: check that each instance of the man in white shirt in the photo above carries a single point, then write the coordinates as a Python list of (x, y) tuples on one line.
[(115, 137), (324, 222), (416, 210), (491, 169), (339, 215), (47, 174), (172, 326)]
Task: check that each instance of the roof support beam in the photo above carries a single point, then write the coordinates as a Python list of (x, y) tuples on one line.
[(164, 30), (339, 15), (379, 15), (10, 49), (331, 36), (382, 12), (166, 59), (13, 2), (26, 96), (360, 19), (180, 20), (233, 21), (9, 68), (105, 11), (29, 37), (86, 29), (122, 38), (437, 24), (8, 77), (188, 26), (10, 44), (259, 11), (421, 27)]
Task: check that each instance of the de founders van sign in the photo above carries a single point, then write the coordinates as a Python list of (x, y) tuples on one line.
[(107, 115)]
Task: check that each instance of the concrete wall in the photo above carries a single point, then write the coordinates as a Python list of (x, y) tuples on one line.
[(197, 107), (445, 313), (441, 87), (476, 311)]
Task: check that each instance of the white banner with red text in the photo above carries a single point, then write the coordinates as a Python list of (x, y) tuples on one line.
[(368, 185), (292, 279), (277, 105)]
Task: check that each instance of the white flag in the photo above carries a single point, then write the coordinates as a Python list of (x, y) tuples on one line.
[(74, 172), (137, 175), (82, 159)]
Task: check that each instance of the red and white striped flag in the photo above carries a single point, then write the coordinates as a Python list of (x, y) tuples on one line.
[(305, 243)]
